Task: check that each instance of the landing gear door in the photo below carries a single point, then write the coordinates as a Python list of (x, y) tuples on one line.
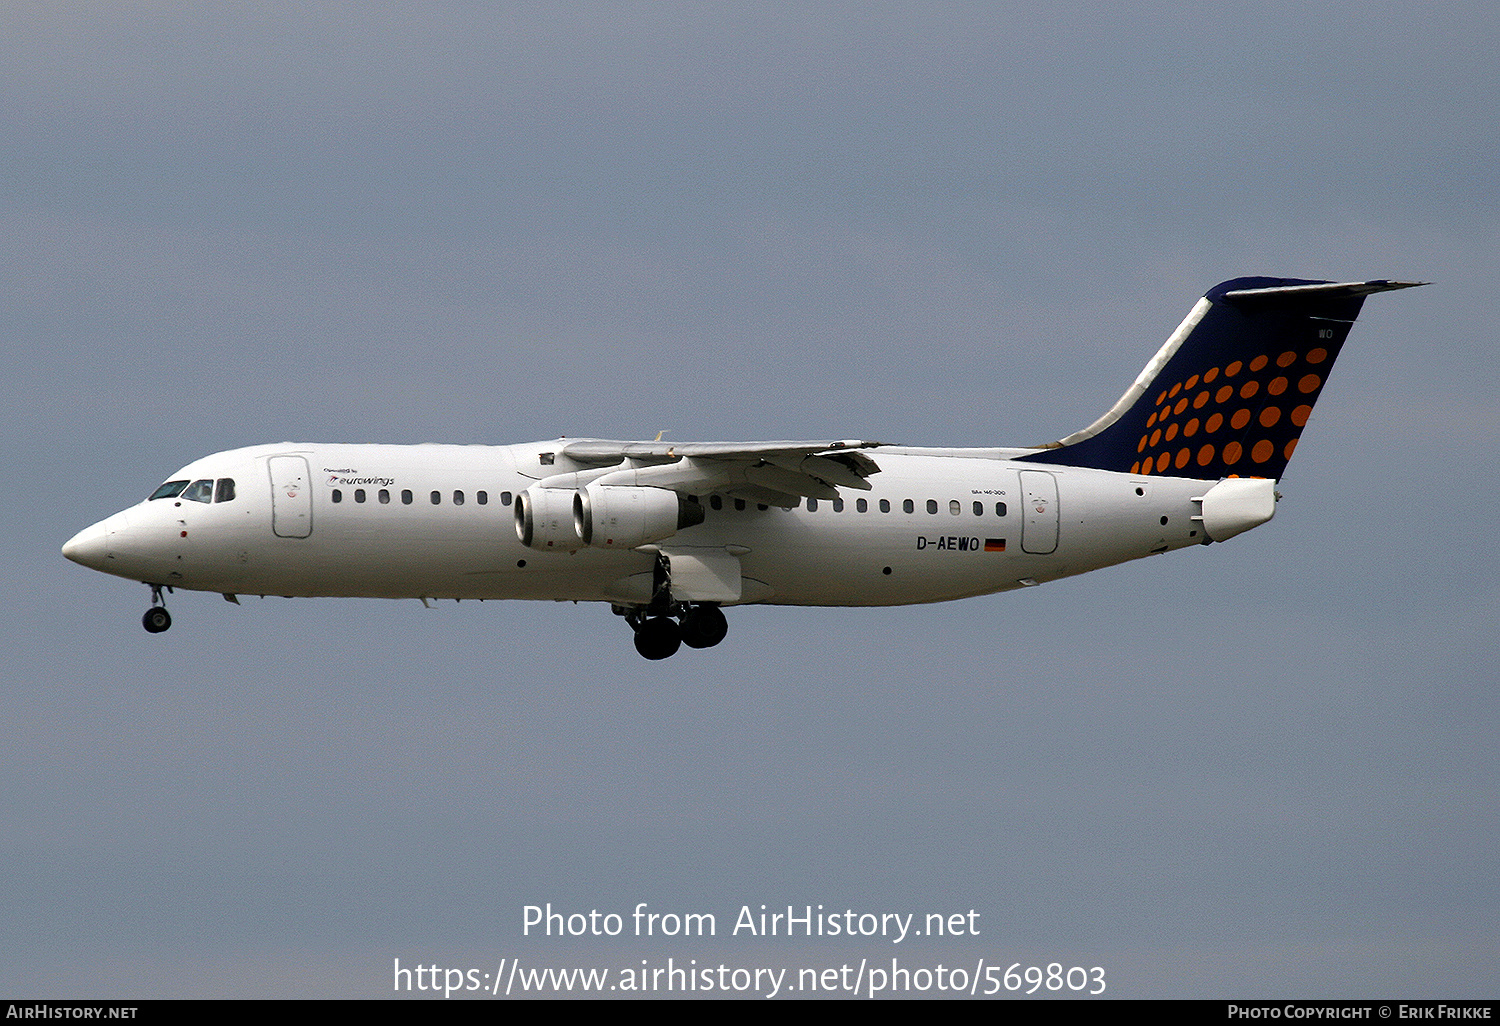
[(1039, 512), (291, 497)]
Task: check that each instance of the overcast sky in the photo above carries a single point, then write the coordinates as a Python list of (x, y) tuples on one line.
[(1261, 769)]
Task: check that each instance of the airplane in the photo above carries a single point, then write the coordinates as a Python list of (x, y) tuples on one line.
[(670, 534)]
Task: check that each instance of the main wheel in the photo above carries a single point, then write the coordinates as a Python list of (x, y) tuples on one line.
[(157, 619), (658, 638), (704, 627)]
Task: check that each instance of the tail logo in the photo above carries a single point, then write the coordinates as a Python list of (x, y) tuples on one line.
[(1189, 423)]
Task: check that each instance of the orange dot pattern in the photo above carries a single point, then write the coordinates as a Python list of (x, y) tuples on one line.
[(1254, 415)]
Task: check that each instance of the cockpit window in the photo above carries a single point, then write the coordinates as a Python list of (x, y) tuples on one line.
[(170, 490), (224, 490), (199, 491)]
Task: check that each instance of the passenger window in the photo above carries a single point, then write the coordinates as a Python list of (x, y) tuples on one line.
[(505, 498), (932, 505), (862, 505), (406, 496), (812, 505), (999, 509), (483, 498), (739, 505), (359, 495), (885, 505), (338, 496), (908, 505), (979, 509), (954, 506), (170, 490), (458, 498), (224, 490), (384, 495), (199, 491), (715, 502), (838, 505), (437, 497)]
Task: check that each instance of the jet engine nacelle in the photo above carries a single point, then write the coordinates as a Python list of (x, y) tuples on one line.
[(619, 517), (544, 519)]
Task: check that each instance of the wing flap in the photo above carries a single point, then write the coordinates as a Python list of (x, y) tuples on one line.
[(773, 473), (604, 451), (789, 482)]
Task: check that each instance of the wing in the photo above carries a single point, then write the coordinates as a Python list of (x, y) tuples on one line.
[(772, 473)]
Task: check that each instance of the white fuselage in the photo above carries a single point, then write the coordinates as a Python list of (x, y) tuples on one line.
[(669, 532), (438, 521)]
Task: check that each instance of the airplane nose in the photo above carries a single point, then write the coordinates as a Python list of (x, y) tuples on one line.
[(89, 547)]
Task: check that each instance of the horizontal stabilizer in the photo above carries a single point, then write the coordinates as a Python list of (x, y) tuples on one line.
[(1325, 289)]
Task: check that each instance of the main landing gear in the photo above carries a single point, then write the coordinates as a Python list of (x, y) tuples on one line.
[(665, 625), (157, 619), (659, 636)]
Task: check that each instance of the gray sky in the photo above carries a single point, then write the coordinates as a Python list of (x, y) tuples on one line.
[(1265, 768)]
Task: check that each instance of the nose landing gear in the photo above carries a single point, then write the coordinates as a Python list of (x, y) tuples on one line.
[(157, 619)]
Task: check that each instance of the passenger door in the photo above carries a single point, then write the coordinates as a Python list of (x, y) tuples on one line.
[(291, 497), (1039, 512)]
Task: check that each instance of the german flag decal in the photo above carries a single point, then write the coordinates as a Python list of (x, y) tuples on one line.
[(994, 545)]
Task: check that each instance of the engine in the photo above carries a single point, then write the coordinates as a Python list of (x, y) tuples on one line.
[(619, 517), (544, 519)]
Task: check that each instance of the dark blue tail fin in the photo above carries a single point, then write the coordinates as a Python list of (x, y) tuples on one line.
[(1229, 393)]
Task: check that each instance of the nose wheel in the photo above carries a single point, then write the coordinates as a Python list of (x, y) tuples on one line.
[(157, 619)]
